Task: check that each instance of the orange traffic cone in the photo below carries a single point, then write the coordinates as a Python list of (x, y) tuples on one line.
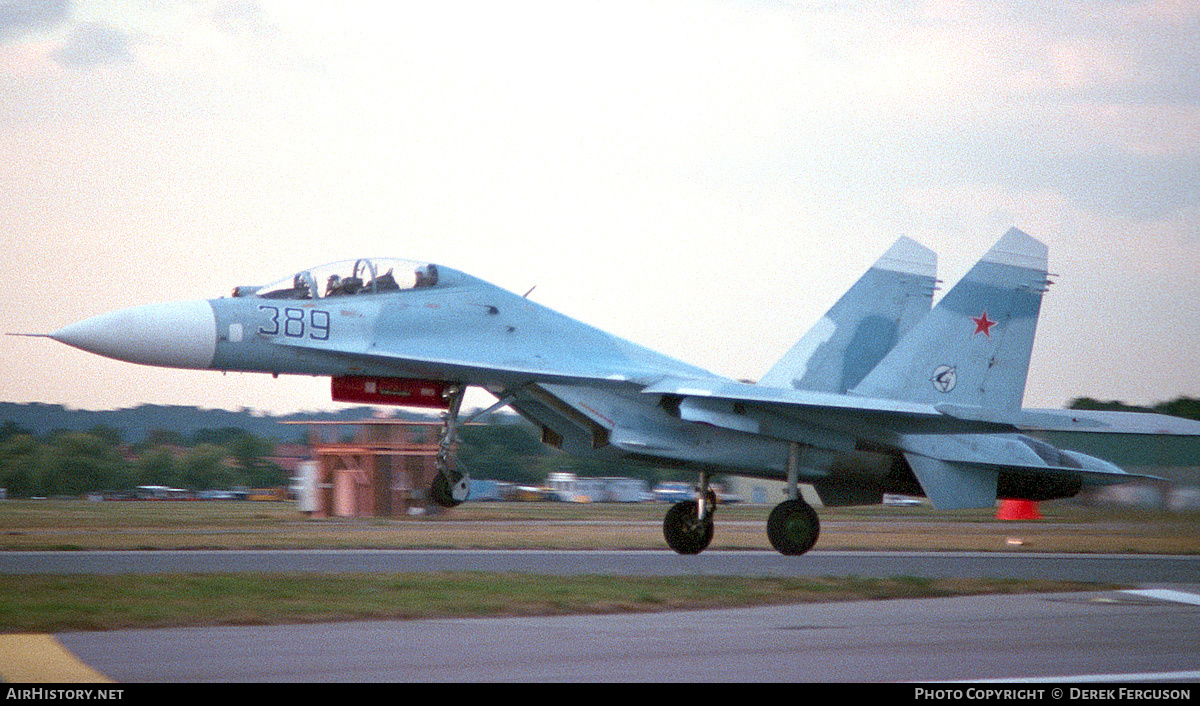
[(1018, 510)]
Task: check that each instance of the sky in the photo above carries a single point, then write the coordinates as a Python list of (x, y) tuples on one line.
[(703, 178)]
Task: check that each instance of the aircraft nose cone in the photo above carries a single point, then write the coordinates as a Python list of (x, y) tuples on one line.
[(172, 334)]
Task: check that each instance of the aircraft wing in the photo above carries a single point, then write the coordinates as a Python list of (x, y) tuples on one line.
[(957, 452), (946, 417), (777, 398), (1106, 422)]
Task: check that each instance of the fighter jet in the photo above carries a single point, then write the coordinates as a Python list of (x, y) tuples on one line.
[(886, 393)]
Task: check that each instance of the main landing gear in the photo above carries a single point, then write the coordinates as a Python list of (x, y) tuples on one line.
[(688, 526), (792, 527)]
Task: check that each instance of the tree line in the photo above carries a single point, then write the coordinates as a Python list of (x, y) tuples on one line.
[(74, 462), (67, 462), (513, 452), (1186, 407)]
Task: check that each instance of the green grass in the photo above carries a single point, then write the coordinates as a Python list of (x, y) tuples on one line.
[(62, 603), (81, 525), (45, 604)]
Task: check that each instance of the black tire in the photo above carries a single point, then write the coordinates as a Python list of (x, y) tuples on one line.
[(684, 532), (793, 527), (440, 491)]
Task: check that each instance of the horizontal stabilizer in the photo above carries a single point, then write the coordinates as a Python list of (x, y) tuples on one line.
[(1012, 453), (1087, 476), (953, 486)]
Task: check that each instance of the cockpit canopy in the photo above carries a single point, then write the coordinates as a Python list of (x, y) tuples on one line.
[(348, 278)]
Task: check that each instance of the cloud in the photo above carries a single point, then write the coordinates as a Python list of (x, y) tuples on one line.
[(20, 17), (243, 17), (92, 43), (555, 143)]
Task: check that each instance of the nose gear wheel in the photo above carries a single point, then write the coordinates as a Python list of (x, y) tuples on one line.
[(450, 486)]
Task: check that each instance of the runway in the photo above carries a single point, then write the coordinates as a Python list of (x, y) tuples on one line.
[(1112, 568), (1103, 636), (1111, 637)]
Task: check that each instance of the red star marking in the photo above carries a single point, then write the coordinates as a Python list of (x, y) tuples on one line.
[(983, 324)]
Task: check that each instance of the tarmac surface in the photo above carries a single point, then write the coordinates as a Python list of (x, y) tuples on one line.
[(1105, 637), (1144, 634)]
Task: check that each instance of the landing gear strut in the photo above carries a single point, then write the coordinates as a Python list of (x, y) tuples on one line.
[(793, 526), (451, 486), (688, 526)]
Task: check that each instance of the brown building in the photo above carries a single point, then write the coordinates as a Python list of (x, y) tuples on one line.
[(371, 468)]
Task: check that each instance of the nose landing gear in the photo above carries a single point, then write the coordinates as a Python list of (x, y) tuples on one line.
[(450, 486)]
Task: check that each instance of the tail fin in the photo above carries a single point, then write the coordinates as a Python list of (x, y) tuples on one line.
[(859, 330), (973, 348)]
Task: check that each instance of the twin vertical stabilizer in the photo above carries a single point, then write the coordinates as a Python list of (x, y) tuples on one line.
[(860, 329), (881, 340), (973, 348)]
